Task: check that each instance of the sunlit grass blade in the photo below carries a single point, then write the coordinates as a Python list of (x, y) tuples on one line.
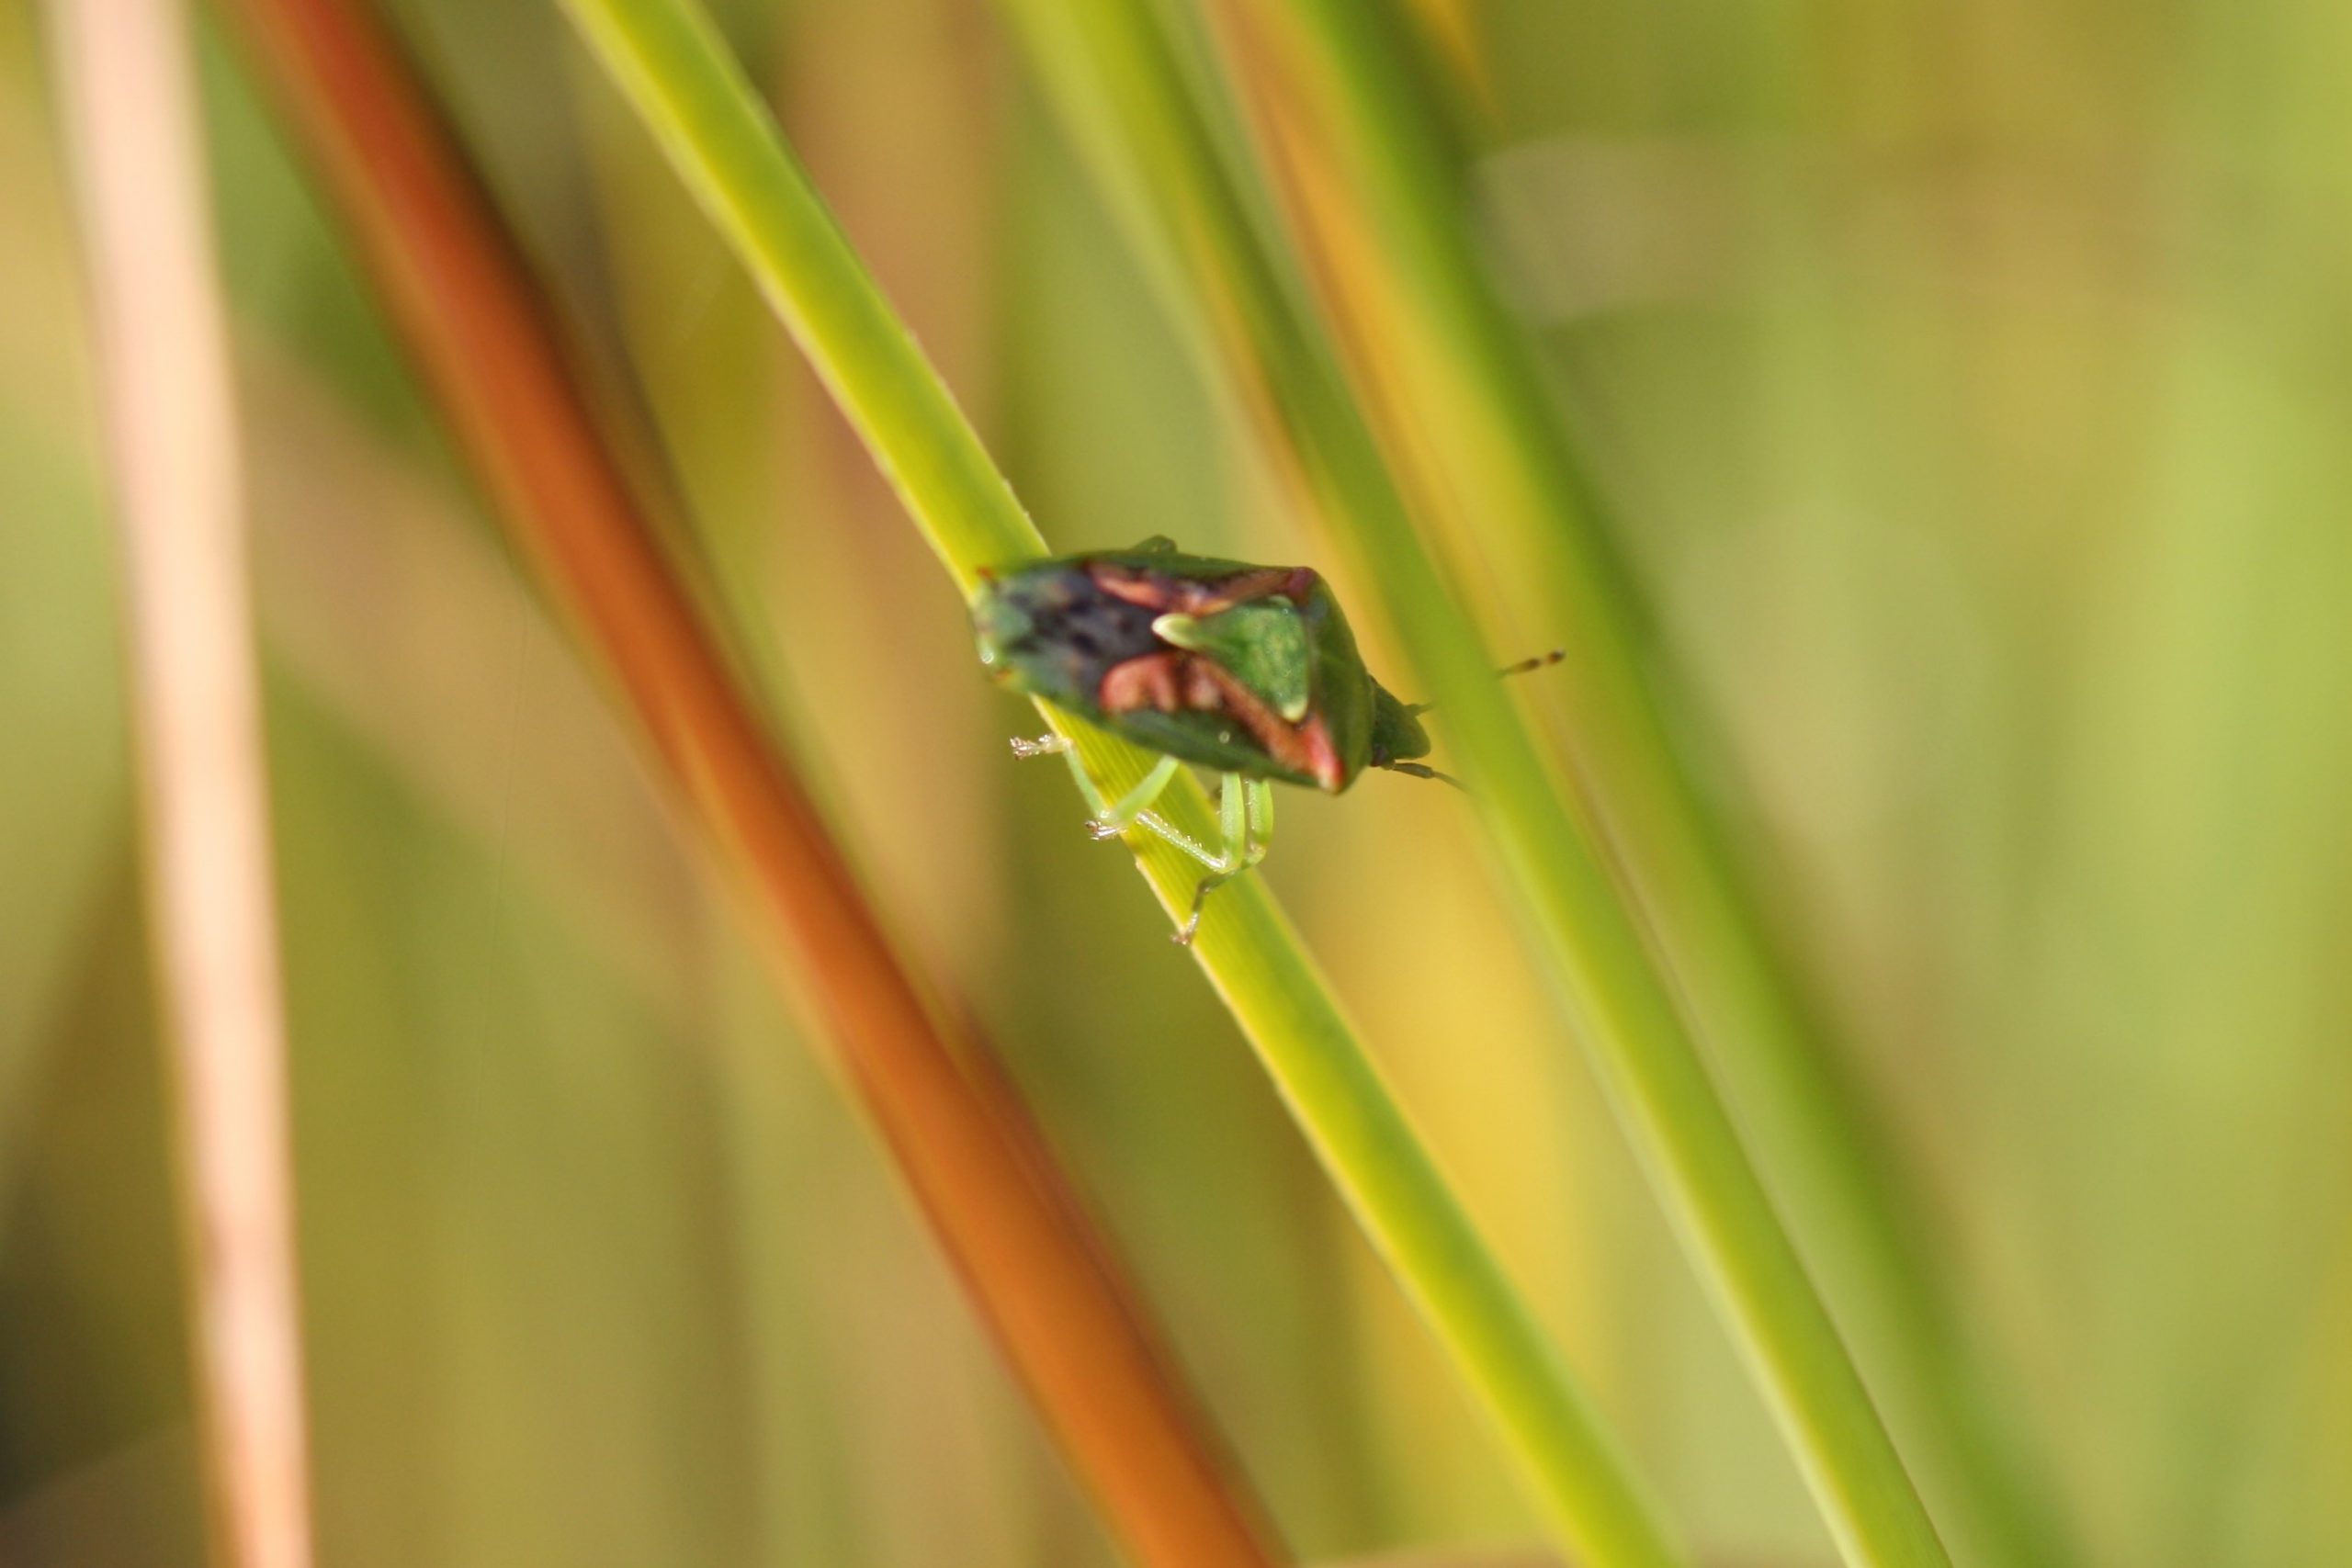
[(692, 96), (1067, 1322), (1377, 191), (1117, 78), (128, 80)]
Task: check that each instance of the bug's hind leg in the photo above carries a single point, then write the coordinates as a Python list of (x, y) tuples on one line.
[(1246, 820)]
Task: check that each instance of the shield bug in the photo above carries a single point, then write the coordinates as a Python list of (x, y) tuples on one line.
[(1249, 670)]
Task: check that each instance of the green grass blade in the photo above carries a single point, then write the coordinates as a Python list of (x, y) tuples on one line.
[(1451, 364), (1120, 85), (694, 97), (677, 70)]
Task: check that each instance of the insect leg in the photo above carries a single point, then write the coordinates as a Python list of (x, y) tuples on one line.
[(1113, 820), (1245, 823), (1261, 818), (1133, 810), (1159, 827), (1242, 806), (1232, 816)]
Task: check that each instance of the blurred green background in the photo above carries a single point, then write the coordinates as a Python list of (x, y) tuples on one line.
[(1973, 382)]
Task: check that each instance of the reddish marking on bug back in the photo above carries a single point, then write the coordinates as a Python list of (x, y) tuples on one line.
[(1323, 761), (1178, 682), (1154, 681), (1164, 593), (1153, 591)]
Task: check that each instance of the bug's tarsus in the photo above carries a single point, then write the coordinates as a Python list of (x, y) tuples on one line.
[(1182, 935)]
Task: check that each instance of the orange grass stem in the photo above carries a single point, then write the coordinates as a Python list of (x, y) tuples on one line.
[(1035, 1269)]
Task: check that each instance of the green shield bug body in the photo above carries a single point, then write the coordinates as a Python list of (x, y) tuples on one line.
[(1248, 670)]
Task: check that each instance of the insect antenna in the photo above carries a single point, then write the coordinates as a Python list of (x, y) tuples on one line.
[(1423, 770), (1525, 666)]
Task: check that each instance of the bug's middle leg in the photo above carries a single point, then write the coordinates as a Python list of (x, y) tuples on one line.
[(1245, 820), (1109, 817), (1117, 817), (1112, 818)]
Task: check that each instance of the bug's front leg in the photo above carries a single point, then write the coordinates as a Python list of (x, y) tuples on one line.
[(1109, 819)]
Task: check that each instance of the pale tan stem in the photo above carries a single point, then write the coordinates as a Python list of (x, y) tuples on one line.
[(126, 84)]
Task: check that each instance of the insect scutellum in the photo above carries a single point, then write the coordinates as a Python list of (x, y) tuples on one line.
[(1250, 671)]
